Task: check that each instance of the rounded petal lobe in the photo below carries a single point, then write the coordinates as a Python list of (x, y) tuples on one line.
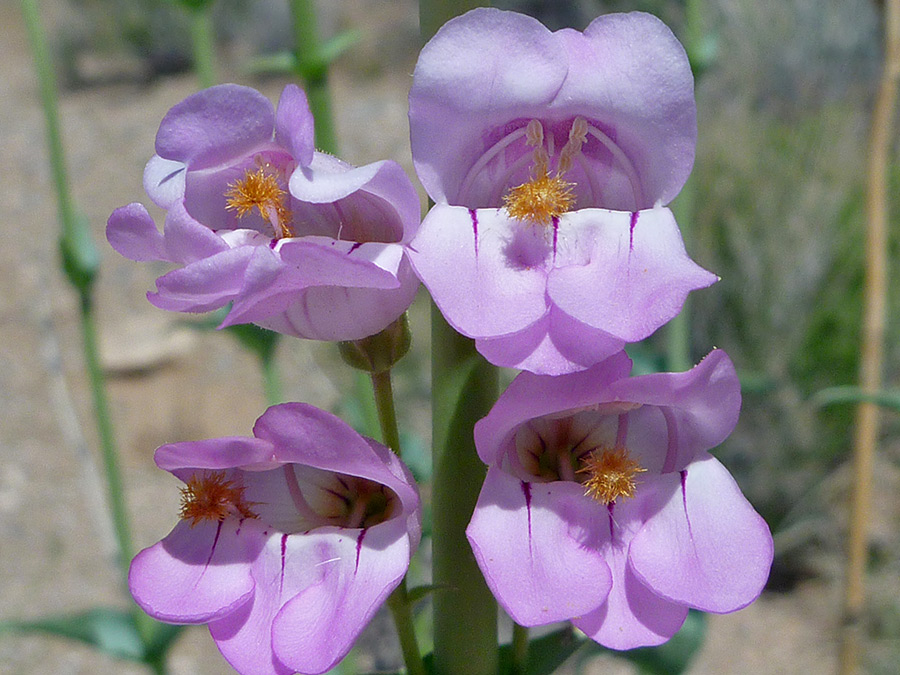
[(306, 435), (478, 72), (630, 74), (213, 453), (294, 124), (196, 574), (536, 546), (215, 125), (164, 181), (131, 231), (557, 344), (706, 547), (700, 408), (316, 628), (637, 278), (633, 615)]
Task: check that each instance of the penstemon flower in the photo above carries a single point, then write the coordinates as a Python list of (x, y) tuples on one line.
[(549, 157), (288, 542), (602, 505), (299, 241)]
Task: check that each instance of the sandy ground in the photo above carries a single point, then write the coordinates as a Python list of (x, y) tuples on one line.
[(168, 383)]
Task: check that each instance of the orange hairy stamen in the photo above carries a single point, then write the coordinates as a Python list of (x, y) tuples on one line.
[(213, 497), (540, 200), (260, 190), (610, 475)]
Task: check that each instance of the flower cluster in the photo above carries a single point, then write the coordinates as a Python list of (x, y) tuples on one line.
[(550, 157), (550, 245)]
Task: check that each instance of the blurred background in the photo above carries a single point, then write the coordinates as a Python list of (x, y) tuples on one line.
[(776, 208)]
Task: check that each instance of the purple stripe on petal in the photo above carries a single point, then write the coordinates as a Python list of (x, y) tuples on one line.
[(284, 538), (359, 541), (474, 216), (634, 219)]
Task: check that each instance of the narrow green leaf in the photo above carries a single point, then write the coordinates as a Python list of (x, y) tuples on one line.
[(282, 62), (419, 593), (886, 398), (337, 45), (112, 631)]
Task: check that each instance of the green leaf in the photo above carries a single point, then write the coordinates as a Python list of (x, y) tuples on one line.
[(112, 631), (337, 45), (254, 339), (546, 653), (282, 62), (886, 398), (419, 593)]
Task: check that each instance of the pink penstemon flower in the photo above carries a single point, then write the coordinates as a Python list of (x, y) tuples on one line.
[(288, 541), (297, 240), (550, 157), (603, 506)]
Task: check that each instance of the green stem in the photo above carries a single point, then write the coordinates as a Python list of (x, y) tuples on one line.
[(79, 261), (203, 44), (398, 602), (464, 387), (313, 70), (271, 379), (387, 415), (110, 455), (519, 650), (47, 83)]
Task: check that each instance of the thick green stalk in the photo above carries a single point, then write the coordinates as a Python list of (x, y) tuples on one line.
[(313, 70), (464, 387), (519, 650), (203, 44)]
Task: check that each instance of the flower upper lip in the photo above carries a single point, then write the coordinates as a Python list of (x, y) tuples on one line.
[(626, 74)]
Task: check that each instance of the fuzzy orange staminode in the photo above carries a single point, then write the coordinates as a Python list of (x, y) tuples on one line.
[(260, 190), (610, 475), (540, 200), (213, 497)]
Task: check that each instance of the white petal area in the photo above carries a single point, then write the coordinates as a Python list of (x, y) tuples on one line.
[(164, 181)]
